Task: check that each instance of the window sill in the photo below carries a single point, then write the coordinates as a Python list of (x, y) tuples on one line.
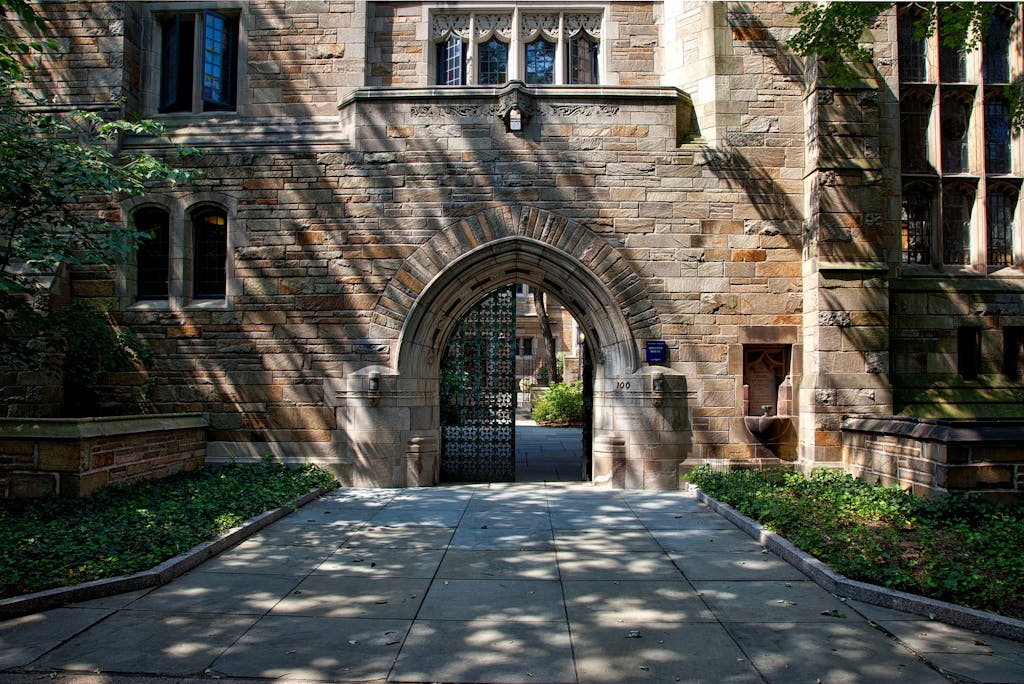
[(150, 305), (204, 304)]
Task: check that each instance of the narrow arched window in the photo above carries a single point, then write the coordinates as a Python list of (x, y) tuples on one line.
[(493, 56), (1000, 204), (153, 253), (451, 61), (917, 224), (540, 62), (915, 110), (209, 253), (912, 48), (995, 63), (956, 117), (583, 59)]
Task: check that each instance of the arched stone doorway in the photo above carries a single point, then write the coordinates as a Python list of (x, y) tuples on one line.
[(389, 415)]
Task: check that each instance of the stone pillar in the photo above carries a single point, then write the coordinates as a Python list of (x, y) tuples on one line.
[(846, 273)]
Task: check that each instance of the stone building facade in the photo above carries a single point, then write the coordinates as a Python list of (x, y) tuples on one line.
[(665, 169)]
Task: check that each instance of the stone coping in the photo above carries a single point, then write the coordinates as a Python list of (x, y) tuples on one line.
[(966, 431), (85, 428), (16, 606), (561, 93), (829, 580)]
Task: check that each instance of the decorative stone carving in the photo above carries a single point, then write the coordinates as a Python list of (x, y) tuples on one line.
[(500, 24), (431, 111), (532, 24), (445, 24), (591, 23), (583, 110)]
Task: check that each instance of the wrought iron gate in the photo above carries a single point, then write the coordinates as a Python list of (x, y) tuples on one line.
[(478, 391)]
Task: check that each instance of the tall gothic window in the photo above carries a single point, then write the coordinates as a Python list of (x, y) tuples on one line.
[(996, 51), (583, 59), (997, 134), (956, 116), (917, 223), (915, 110), (153, 253), (956, 224), (1001, 201), (913, 50)]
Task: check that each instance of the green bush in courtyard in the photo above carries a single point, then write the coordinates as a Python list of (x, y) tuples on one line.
[(561, 403), (119, 530), (957, 548)]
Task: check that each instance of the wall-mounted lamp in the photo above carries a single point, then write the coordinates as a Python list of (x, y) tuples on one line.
[(373, 388), (657, 388), (515, 119)]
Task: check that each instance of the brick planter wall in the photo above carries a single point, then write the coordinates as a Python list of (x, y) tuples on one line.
[(77, 456), (936, 456)]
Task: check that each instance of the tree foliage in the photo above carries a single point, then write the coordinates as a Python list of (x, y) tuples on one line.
[(834, 33), (52, 166)]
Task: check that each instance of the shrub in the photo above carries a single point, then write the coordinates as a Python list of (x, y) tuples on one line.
[(956, 547), (561, 403)]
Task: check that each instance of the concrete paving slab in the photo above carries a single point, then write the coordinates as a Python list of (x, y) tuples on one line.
[(596, 519), (496, 600), (734, 566), (928, 636), (462, 564), (838, 651), (420, 537), (634, 604), (370, 562), (685, 521), (218, 592), (590, 565), (977, 667), (878, 613), (485, 651), (706, 541), (336, 595), (670, 652), (112, 602), (325, 649), (24, 639), (423, 517), (769, 602), (497, 538), (504, 519), (323, 512), (255, 557), (285, 533), (151, 643), (607, 541)]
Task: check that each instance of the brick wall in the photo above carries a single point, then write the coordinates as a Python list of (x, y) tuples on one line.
[(932, 457), (75, 457)]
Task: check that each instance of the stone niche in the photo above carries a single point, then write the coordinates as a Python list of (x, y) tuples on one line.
[(77, 456), (764, 360)]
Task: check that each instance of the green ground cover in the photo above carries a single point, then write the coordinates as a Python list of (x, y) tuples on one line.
[(954, 548), (54, 542)]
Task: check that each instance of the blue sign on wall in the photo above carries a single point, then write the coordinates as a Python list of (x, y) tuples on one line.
[(656, 351)]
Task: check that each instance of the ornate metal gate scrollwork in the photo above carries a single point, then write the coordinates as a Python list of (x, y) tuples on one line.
[(478, 386)]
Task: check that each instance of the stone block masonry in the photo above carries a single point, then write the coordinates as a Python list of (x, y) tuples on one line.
[(76, 456)]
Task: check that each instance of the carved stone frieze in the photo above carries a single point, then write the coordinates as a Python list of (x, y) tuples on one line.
[(531, 24), (591, 23), (431, 111), (500, 24), (445, 24), (583, 110)]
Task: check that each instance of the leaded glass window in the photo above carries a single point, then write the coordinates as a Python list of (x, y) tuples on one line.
[(915, 110), (956, 225), (540, 62), (209, 258), (917, 224), (583, 59), (1000, 204), (451, 61), (912, 49), (493, 56), (996, 49), (952, 62), (215, 72), (153, 253), (956, 115), (997, 135), (219, 41)]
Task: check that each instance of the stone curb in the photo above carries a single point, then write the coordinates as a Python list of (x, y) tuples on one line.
[(16, 606), (831, 581)]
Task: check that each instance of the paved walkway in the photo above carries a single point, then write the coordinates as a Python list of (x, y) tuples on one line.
[(546, 454), (514, 583)]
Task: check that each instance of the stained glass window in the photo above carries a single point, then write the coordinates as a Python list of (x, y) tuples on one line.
[(451, 61), (583, 59)]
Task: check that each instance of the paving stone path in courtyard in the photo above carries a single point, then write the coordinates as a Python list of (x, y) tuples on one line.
[(539, 582)]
